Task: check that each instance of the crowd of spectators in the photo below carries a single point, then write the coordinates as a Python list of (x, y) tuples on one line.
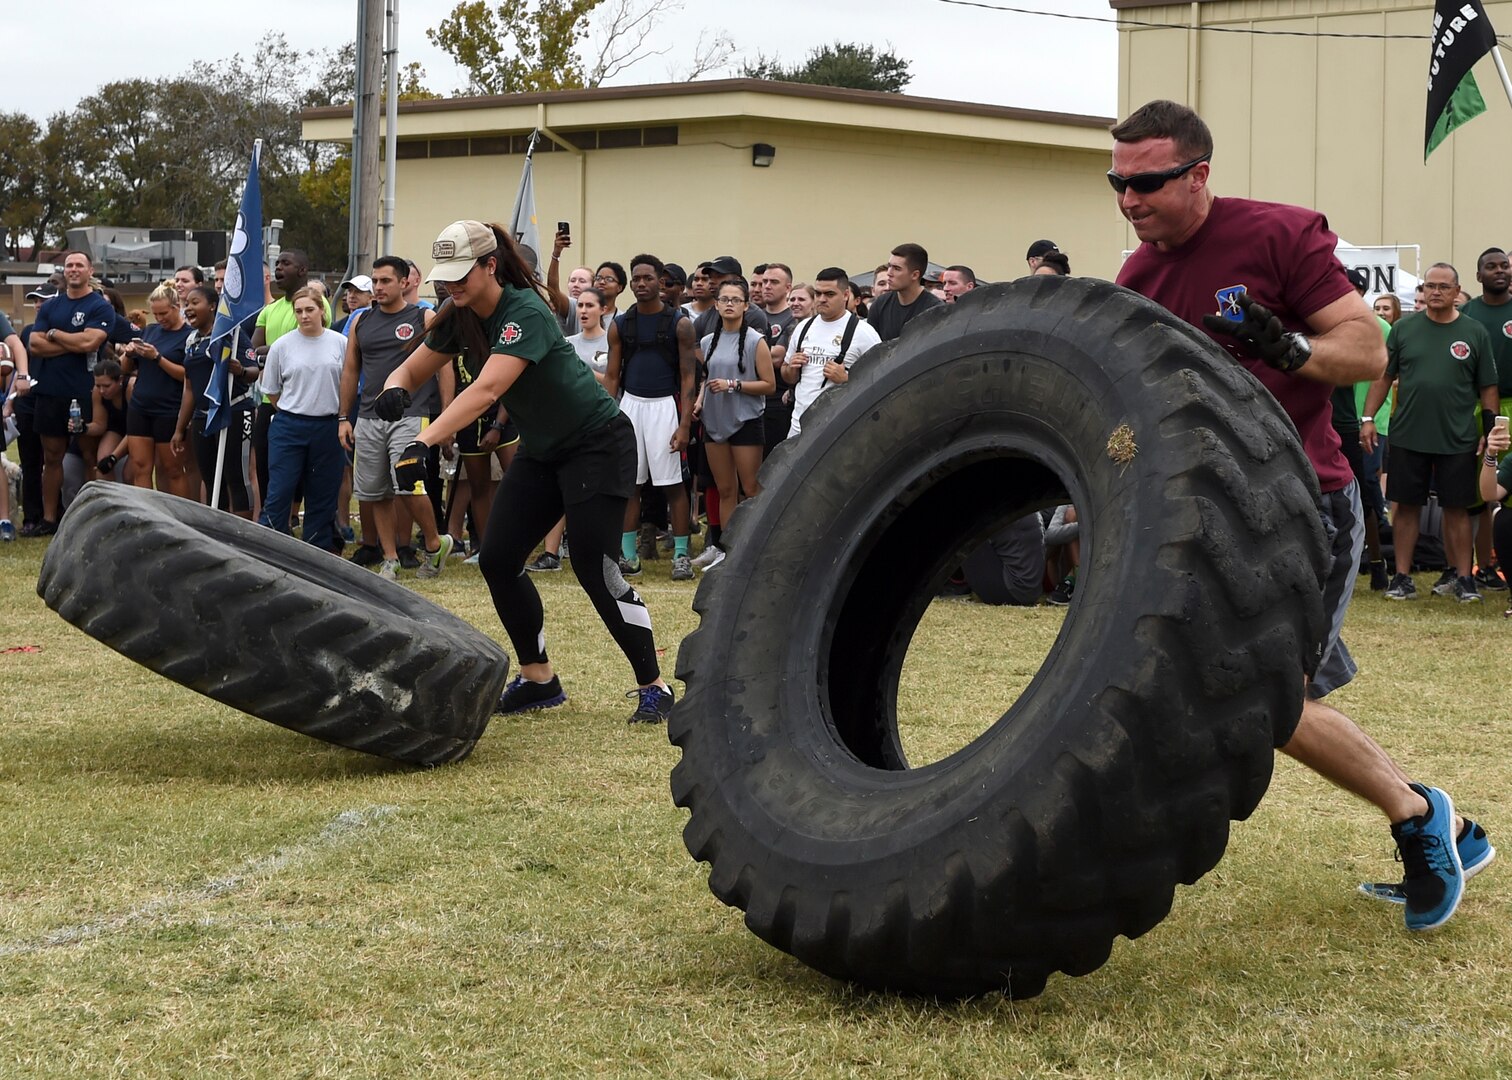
[(715, 366)]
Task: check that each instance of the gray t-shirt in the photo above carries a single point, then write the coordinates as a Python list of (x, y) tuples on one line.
[(593, 350), (384, 339), (725, 414), (305, 373)]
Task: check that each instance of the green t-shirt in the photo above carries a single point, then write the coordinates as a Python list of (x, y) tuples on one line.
[(556, 400), (1498, 323), (1440, 370), (277, 318)]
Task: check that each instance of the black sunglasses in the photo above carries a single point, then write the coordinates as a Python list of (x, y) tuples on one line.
[(1148, 183)]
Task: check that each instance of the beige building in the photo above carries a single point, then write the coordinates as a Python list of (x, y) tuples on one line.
[(1330, 122), (670, 169)]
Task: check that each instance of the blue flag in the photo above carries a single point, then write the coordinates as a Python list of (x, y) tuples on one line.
[(240, 300)]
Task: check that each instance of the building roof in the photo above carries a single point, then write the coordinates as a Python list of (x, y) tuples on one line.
[(717, 99)]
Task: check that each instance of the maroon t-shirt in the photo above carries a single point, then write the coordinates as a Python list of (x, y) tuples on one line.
[(1283, 256)]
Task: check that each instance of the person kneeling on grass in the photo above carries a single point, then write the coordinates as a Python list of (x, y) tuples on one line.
[(577, 455)]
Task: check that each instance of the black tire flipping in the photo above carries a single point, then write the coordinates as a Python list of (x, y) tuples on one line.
[(1150, 725), (271, 626)]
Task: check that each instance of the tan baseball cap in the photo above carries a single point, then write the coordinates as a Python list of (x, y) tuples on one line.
[(460, 244)]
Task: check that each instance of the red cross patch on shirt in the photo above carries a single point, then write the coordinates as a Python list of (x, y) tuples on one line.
[(510, 334)]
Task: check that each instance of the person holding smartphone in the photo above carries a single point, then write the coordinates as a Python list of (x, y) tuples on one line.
[(158, 360)]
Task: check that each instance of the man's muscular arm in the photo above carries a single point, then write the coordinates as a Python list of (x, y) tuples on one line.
[(1347, 344)]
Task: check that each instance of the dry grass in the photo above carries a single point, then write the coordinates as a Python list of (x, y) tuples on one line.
[(186, 890)]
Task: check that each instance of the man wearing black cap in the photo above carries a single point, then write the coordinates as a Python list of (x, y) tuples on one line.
[(1037, 252), (721, 270), (674, 280)]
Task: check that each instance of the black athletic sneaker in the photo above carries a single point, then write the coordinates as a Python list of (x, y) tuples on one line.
[(1444, 586), (367, 555), (545, 563), (1402, 588), (522, 695), (408, 559), (1465, 591), (653, 705), (1061, 595), (1489, 578), (1380, 581)]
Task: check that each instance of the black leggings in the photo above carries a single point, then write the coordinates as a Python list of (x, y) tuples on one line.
[(528, 502), (234, 494)]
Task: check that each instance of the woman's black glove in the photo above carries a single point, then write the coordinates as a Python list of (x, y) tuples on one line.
[(390, 404), (409, 470)]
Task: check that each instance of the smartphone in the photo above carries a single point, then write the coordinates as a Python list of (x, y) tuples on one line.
[(564, 228), (1501, 422)]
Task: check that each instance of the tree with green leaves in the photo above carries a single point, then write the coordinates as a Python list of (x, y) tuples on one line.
[(514, 48), (858, 67)]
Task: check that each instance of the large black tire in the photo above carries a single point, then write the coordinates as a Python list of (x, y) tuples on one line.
[(1150, 724), (271, 626)]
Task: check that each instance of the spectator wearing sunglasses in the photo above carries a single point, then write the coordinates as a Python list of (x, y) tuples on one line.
[(1264, 283)]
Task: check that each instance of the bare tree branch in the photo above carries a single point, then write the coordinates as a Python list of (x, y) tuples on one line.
[(712, 54), (620, 29)]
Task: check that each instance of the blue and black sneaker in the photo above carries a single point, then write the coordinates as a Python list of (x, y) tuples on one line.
[(1475, 852), (522, 695), (653, 705), (1433, 877)]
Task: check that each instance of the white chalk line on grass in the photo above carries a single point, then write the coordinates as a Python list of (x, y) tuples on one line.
[(340, 830)]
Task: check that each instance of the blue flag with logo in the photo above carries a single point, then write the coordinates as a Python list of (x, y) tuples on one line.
[(240, 300)]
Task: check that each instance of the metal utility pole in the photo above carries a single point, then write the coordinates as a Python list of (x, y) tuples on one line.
[(390, 127), (364, 206)]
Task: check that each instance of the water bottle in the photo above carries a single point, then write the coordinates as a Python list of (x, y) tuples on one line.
[(75, 417)]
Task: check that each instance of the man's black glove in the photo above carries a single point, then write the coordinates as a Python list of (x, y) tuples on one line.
[(409, 470), (390, 404), (1262, 335)]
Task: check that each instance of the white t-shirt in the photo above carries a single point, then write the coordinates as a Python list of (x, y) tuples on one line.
[(593, 350), (821, 342), (305, 372)]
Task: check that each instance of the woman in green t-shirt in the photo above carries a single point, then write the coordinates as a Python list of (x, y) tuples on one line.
[(576, 456)]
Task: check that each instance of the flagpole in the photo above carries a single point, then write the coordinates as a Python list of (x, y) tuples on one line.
[(1501, 69), (220, 446)]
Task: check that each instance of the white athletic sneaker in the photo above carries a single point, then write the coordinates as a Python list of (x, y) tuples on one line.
[(715, 556), (388, 570)]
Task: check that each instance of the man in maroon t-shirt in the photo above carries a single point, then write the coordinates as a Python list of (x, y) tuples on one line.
[(1263, 281)]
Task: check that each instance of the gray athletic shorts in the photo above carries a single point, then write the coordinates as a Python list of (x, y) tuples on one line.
[(378, 446), (1344, 522)]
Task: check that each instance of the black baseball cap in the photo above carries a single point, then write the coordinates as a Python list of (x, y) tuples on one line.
[(676, 273), (42, 292), (1358, 279), (1040, 248), (726, 264)]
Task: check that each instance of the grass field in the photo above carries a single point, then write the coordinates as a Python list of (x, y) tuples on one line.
[(185, 890)]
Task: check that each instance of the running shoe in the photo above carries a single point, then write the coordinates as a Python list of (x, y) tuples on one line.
[(1465, 591), (472, 560), (1490, 579), (1444, 586), (653, 705), (435, 561), (544, 564), (522, 695), (1402, 588), (45, 528), (562, 552), (711, 555), (630, 567), (408, 559), (8, 532), (367, 555), (1380, 581), (1433, 878), (682, 568), (1475, 852), (1061, 595), (388, 569)]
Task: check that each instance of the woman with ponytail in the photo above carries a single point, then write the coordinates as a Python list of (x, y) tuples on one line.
[(577, 455), (733, 402)]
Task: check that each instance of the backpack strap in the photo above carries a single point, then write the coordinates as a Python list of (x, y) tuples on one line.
[(845, 340)]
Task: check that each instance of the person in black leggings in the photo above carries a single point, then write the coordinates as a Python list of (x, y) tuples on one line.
[(199, 366), (576, 456)]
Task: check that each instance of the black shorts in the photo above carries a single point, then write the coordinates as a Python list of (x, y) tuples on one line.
[(50, 420), (140, 425), (602, 464), (750, 433), (1453, 477), (469, 437)]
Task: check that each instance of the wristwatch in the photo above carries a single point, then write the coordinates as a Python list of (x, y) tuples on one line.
[(1367, 419)]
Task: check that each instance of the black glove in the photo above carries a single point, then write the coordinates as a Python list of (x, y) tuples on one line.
[(390, 404), (409, 470), (1262, 335)]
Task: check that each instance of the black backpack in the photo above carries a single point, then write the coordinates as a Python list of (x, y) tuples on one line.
[(665, 340), (845, 339)]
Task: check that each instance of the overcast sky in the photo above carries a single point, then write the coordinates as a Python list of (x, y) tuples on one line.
[(958, 52)]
